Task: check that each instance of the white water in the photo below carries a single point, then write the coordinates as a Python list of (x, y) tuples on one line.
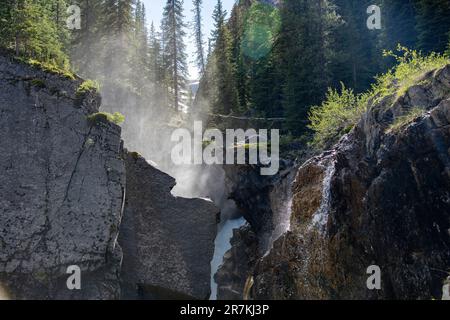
[(284, 223), (222, 245), (320, 218), (282, 209)]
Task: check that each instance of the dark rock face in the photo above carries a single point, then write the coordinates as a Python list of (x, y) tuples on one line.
[(62, 188), (255, 197), (264, 202), (168, 242), (251, 193), (238, 264), (381, 197)]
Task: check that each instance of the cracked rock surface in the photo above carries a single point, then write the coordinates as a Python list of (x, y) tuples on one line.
[(62, 188)]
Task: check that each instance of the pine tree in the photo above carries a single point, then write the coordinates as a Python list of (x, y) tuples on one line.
[(433, 24), (447, 52), (355, 56), (30, 28), (155, 57), (223, 95), (86, 46), (6, 11), (302, 52), (261, 28), (219, 16), (140, 55), (236, 25), (174, 50), (198, 33), (124, 16), (398, 27), (116, 27), (399, 21)]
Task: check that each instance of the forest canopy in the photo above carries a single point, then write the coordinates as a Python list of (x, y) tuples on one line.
[(310, 63)]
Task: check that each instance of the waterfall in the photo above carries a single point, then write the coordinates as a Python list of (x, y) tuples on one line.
[(209, 182), (320, 217), (284, 223), (221, 246), (281, 201)]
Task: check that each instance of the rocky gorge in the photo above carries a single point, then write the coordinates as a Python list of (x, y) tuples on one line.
[(72, 194), (380, 197)]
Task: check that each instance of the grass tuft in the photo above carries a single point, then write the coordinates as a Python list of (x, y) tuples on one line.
[(116, 118)]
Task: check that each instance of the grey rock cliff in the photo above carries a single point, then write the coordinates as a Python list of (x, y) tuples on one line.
[(62, 188), (64, 179)]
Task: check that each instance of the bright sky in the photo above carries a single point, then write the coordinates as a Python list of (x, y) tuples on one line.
[(154, 13)]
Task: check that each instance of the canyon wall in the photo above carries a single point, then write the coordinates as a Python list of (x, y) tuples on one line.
[(63, 198), (380, 197)]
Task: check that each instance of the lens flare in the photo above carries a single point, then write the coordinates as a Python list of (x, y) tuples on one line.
[(262, 23)]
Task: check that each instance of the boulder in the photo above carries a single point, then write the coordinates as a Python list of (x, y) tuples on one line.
[(168, 242)]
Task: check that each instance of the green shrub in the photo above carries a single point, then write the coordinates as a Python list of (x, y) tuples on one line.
[(411, 66), (50, 68), (88, 86), (336, 116), (116, 117), (341, 110), (135, 155)]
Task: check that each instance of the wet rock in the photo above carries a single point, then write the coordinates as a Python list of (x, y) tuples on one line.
[(253, 195), (380, 197), (266, 203), (238, 264)]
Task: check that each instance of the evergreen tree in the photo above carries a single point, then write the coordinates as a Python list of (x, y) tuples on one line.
[(264, 88), (223, 96), (433, 24), (140, 55), (302, 52), (6, 11), (399, 21), (448, 48), (174, 50), (219, 16), (116, 27), (156, 70), (198, 33), (399, 27), (355, 56), (236, 25), (125, 15), (29, 27), (86, 47)]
